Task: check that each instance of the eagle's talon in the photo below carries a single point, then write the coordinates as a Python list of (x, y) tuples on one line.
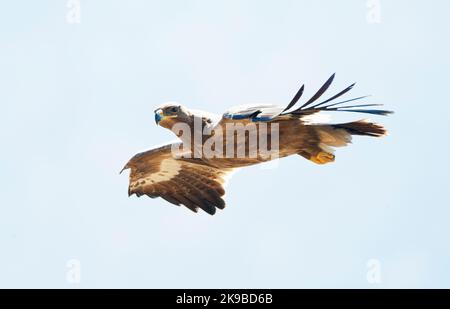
[(323, 157)]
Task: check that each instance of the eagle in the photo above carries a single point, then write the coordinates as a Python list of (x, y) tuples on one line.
[(183, 173)]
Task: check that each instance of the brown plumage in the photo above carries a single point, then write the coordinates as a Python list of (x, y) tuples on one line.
[(190, 182), (185, 174)]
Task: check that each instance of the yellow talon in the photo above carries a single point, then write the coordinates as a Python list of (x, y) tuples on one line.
[(323, 157)]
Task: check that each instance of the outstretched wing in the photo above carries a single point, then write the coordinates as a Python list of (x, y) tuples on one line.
[(188, 182), (311, 107), (263, 112), (257, 113)]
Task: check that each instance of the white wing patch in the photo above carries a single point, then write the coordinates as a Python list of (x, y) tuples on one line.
[(266, 110), (317, 118), (168, 169)]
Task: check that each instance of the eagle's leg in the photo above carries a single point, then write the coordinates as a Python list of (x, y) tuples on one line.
[(319, 156), (322, 157)]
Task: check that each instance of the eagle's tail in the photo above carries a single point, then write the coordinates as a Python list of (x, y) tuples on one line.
[(339, 135), (362, 127)]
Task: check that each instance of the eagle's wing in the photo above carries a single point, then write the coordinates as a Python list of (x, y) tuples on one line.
[(266, 113), (180, 181), (257, 112)]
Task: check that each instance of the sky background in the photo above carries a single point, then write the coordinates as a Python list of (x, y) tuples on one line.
[(77, 102)]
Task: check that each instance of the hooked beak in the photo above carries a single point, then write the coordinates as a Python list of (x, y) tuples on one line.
[(158, 116)]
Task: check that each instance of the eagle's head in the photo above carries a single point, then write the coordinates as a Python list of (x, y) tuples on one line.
[(167, 115)]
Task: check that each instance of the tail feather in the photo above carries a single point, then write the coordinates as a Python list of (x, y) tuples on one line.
[(362, 127), (338, 135)]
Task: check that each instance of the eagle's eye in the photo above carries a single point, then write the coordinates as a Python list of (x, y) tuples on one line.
[(173, 109)]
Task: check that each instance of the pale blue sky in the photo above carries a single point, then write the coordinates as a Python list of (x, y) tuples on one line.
[(77, 102)]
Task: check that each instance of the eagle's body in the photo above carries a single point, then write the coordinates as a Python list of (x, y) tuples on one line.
[(193, 171)]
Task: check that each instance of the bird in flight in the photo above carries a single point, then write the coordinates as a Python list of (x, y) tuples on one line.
[(193, 171)]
